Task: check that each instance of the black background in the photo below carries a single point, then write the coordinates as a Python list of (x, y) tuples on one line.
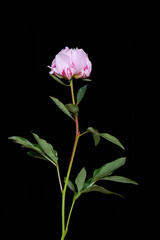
[(33, 33)]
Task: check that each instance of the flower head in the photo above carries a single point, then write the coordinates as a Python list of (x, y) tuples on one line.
[(69, 63)]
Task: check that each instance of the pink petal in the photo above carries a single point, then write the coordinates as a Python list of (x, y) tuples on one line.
[(63, 59), (86, 71), (79, 58)]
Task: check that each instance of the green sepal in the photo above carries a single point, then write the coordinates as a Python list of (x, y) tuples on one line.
[(59, 80), (86, 80)]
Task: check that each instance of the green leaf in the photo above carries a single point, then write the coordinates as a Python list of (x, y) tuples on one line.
[(70, 185), (96, 188), (112, 139), (96, 171), (23, 141), (96, 135), (27, 144), (119, 179), (107, 169), (81, 93), (47, 148), (36, 155), (72, 108), (62, 107), (58, 80), (87, 183), (46, 152), (80, 180)]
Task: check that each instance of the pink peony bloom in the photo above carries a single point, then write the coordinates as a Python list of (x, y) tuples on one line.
[(70, 63)]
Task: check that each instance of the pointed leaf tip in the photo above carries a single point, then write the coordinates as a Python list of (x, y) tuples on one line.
[(107, 136), (112, 139), (120, 179), (96, 188)]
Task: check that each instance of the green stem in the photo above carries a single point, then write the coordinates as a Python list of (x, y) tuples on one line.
[(72, 92), (66, 182), (73, 101), (69, 216), (63, 236), (64, 229), (63, 214)]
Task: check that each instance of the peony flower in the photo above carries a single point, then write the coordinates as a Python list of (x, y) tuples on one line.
[(70, 63)]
